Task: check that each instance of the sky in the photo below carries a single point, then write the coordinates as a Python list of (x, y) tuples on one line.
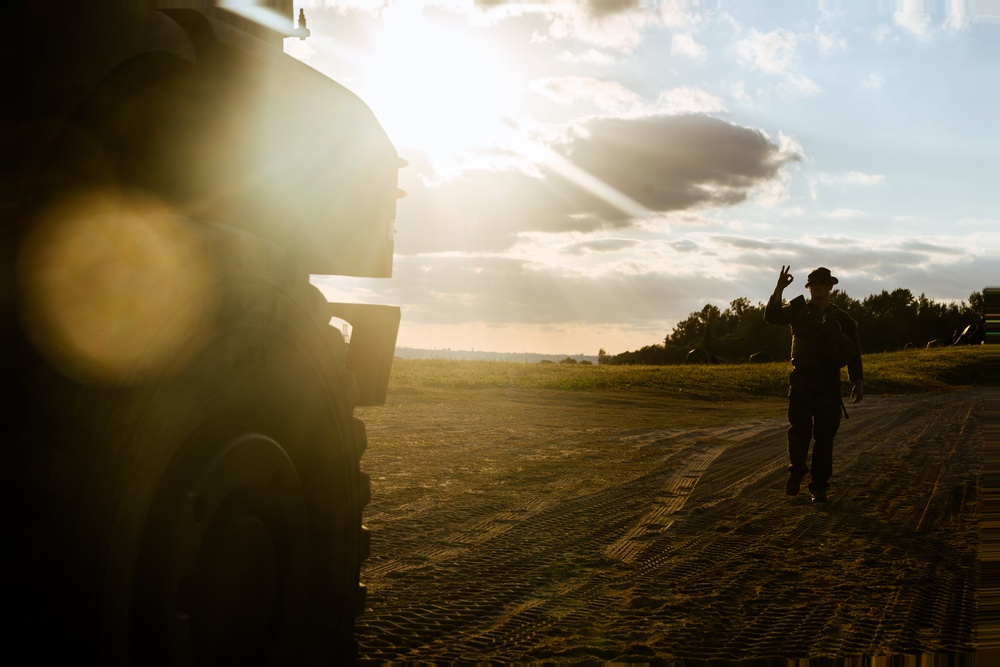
[(584, 174)]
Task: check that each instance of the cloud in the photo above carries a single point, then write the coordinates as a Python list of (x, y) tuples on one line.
[(685, 45), (802, 86), (600, 8), (912, 18), (497, 290), (850, 178), (589, 56), (829, 44), (679, 279), (613, 98), (609, 26), (673, 10), (846, 255), (859, 178), (600, 246), (738, 91), (507, 290), (772, 52), (656, 164), (865, 266), (608, 96), (669, 163), (743, 242), (515, 248), (958, 15), (873, 81), (679, 13), (484, 211), (931, 248), (658, 284), (684, 245), (775, 53), (884, 34), (686, 100), (846, 214), (616, 25)]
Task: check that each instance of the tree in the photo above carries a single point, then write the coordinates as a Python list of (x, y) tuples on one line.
[(977, 304), (698, 330), (886, 321)]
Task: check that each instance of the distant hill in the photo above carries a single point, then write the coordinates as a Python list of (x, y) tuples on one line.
[(511, 357)]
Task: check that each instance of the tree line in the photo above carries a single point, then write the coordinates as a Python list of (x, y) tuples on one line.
[(886, 322)]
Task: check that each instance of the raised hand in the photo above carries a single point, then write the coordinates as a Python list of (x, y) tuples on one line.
[(785, 279)]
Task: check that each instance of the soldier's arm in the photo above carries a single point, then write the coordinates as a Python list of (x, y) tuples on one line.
[(775, 312)]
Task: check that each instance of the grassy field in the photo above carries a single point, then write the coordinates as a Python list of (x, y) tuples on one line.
[(904, 372)]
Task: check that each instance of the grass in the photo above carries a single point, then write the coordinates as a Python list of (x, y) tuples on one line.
[(904, 372)]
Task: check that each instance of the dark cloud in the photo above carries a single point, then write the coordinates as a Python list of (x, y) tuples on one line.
[(462, 289), (743, 242), (921, 246), (670, 163), (601, 245), (684, 245), (863, 269), (600, 8), (665, 163), (840, 257), (952, 282), (497, 290), (485, 210)]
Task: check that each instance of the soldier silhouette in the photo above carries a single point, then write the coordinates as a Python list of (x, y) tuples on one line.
[(824, 339)]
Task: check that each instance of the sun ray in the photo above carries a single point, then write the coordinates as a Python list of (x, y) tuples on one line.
[(265, 16), (439, 91), (538, 153), (596, 186)]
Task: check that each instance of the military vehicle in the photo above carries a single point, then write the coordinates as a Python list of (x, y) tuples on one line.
[(183, 474)]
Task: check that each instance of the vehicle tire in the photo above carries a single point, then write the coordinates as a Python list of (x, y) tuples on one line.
[(207, 511)]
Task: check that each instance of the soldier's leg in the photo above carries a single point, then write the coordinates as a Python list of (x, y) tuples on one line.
[(827, 421), (800, 430)]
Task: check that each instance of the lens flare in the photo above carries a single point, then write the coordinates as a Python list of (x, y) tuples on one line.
[(114, 290)]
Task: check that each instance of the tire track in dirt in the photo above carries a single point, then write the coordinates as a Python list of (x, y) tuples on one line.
[(576, 542), (497, 567), (500, 571), (670, 499), (839, 526)]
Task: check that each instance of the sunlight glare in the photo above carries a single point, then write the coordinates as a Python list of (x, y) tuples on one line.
[(115, 289), (262, 15), (436, 89)]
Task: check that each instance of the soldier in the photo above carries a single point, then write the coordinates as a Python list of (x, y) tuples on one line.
[(824, 340)]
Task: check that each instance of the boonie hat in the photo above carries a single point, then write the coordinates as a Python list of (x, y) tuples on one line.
[(821, 275)]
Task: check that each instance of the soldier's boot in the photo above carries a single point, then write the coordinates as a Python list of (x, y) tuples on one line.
[(793, 483), (818, 491)]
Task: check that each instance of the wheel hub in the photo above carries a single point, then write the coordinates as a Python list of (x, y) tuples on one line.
[(223, 571)]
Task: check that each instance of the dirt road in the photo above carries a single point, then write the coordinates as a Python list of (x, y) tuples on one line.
[(531, 526)]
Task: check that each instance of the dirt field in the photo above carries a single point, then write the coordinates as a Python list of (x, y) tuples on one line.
[(571, 526)]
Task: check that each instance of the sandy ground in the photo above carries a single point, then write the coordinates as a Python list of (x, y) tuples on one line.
[(549, 526)]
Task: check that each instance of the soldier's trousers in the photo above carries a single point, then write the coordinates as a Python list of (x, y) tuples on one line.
[(813, 414)]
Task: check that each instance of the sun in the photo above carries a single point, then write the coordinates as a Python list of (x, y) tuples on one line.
[(438, 89)]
